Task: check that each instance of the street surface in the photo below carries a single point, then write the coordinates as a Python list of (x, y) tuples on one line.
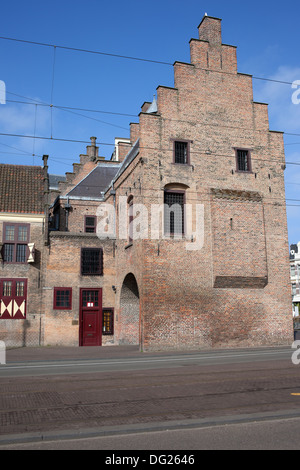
[(119, 398)]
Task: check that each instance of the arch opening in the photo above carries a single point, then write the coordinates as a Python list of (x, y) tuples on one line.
[(129, 311)]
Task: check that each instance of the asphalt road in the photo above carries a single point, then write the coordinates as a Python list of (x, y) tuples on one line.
[(139, 362), (152, 401)]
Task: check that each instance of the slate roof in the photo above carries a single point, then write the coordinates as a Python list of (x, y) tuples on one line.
[(54, 180), (94, 184), (21, 189)]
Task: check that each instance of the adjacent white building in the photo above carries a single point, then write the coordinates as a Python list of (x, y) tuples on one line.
[(295, 277)]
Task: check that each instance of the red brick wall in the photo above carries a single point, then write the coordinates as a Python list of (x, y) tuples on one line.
[(182, 305), (64, 270), (234, 290)]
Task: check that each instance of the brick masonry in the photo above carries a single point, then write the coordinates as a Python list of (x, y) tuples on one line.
[(233, 291)]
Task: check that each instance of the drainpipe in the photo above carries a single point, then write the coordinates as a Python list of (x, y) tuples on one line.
[(67, 209), (113, 193)]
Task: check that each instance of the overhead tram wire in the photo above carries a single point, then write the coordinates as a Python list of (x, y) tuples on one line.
[(68, 110), (38, 102), (41, 103), (76, 49), (73, 109), (147, 147), (76, 141), (120, 56)]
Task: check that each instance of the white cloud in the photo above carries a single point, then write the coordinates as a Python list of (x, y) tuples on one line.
[(22, 119), (284, 115)]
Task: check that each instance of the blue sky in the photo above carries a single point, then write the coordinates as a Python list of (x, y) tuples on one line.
[(268, 47)]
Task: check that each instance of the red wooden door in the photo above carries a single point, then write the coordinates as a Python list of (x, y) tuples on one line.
[(90, 317), (13, 296)]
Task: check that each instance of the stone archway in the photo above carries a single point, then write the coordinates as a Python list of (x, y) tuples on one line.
[(129, 311)]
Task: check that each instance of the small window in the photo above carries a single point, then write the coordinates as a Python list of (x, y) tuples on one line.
[(181, 152), (243, 160), (20, 288), (174, 213), (90, 224), (108, 321), (91, 262), (62, 298), (130, 219), (7, 289)]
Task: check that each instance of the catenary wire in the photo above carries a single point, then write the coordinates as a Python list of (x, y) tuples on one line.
[(157, 149), (71, 109), (120, 56)]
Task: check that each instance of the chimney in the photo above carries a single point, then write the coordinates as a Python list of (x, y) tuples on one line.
[(92, 150)]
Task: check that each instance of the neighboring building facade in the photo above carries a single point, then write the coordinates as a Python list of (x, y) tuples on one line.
[(216, 273), (295, 278), (78, 297), (23, 232)]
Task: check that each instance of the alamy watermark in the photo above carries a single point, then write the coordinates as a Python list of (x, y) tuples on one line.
[(296, 94), (2, 92), (2, 352), (296, 354), (159, 221)]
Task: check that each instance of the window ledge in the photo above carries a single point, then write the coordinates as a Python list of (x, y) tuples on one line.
[(187, 165)]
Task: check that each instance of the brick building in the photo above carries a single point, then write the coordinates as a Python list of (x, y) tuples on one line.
[(23, 233), (179, 240), (80, 267), (195, 252)]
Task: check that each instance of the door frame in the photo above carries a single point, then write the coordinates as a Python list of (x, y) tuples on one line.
[(98, 311)]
